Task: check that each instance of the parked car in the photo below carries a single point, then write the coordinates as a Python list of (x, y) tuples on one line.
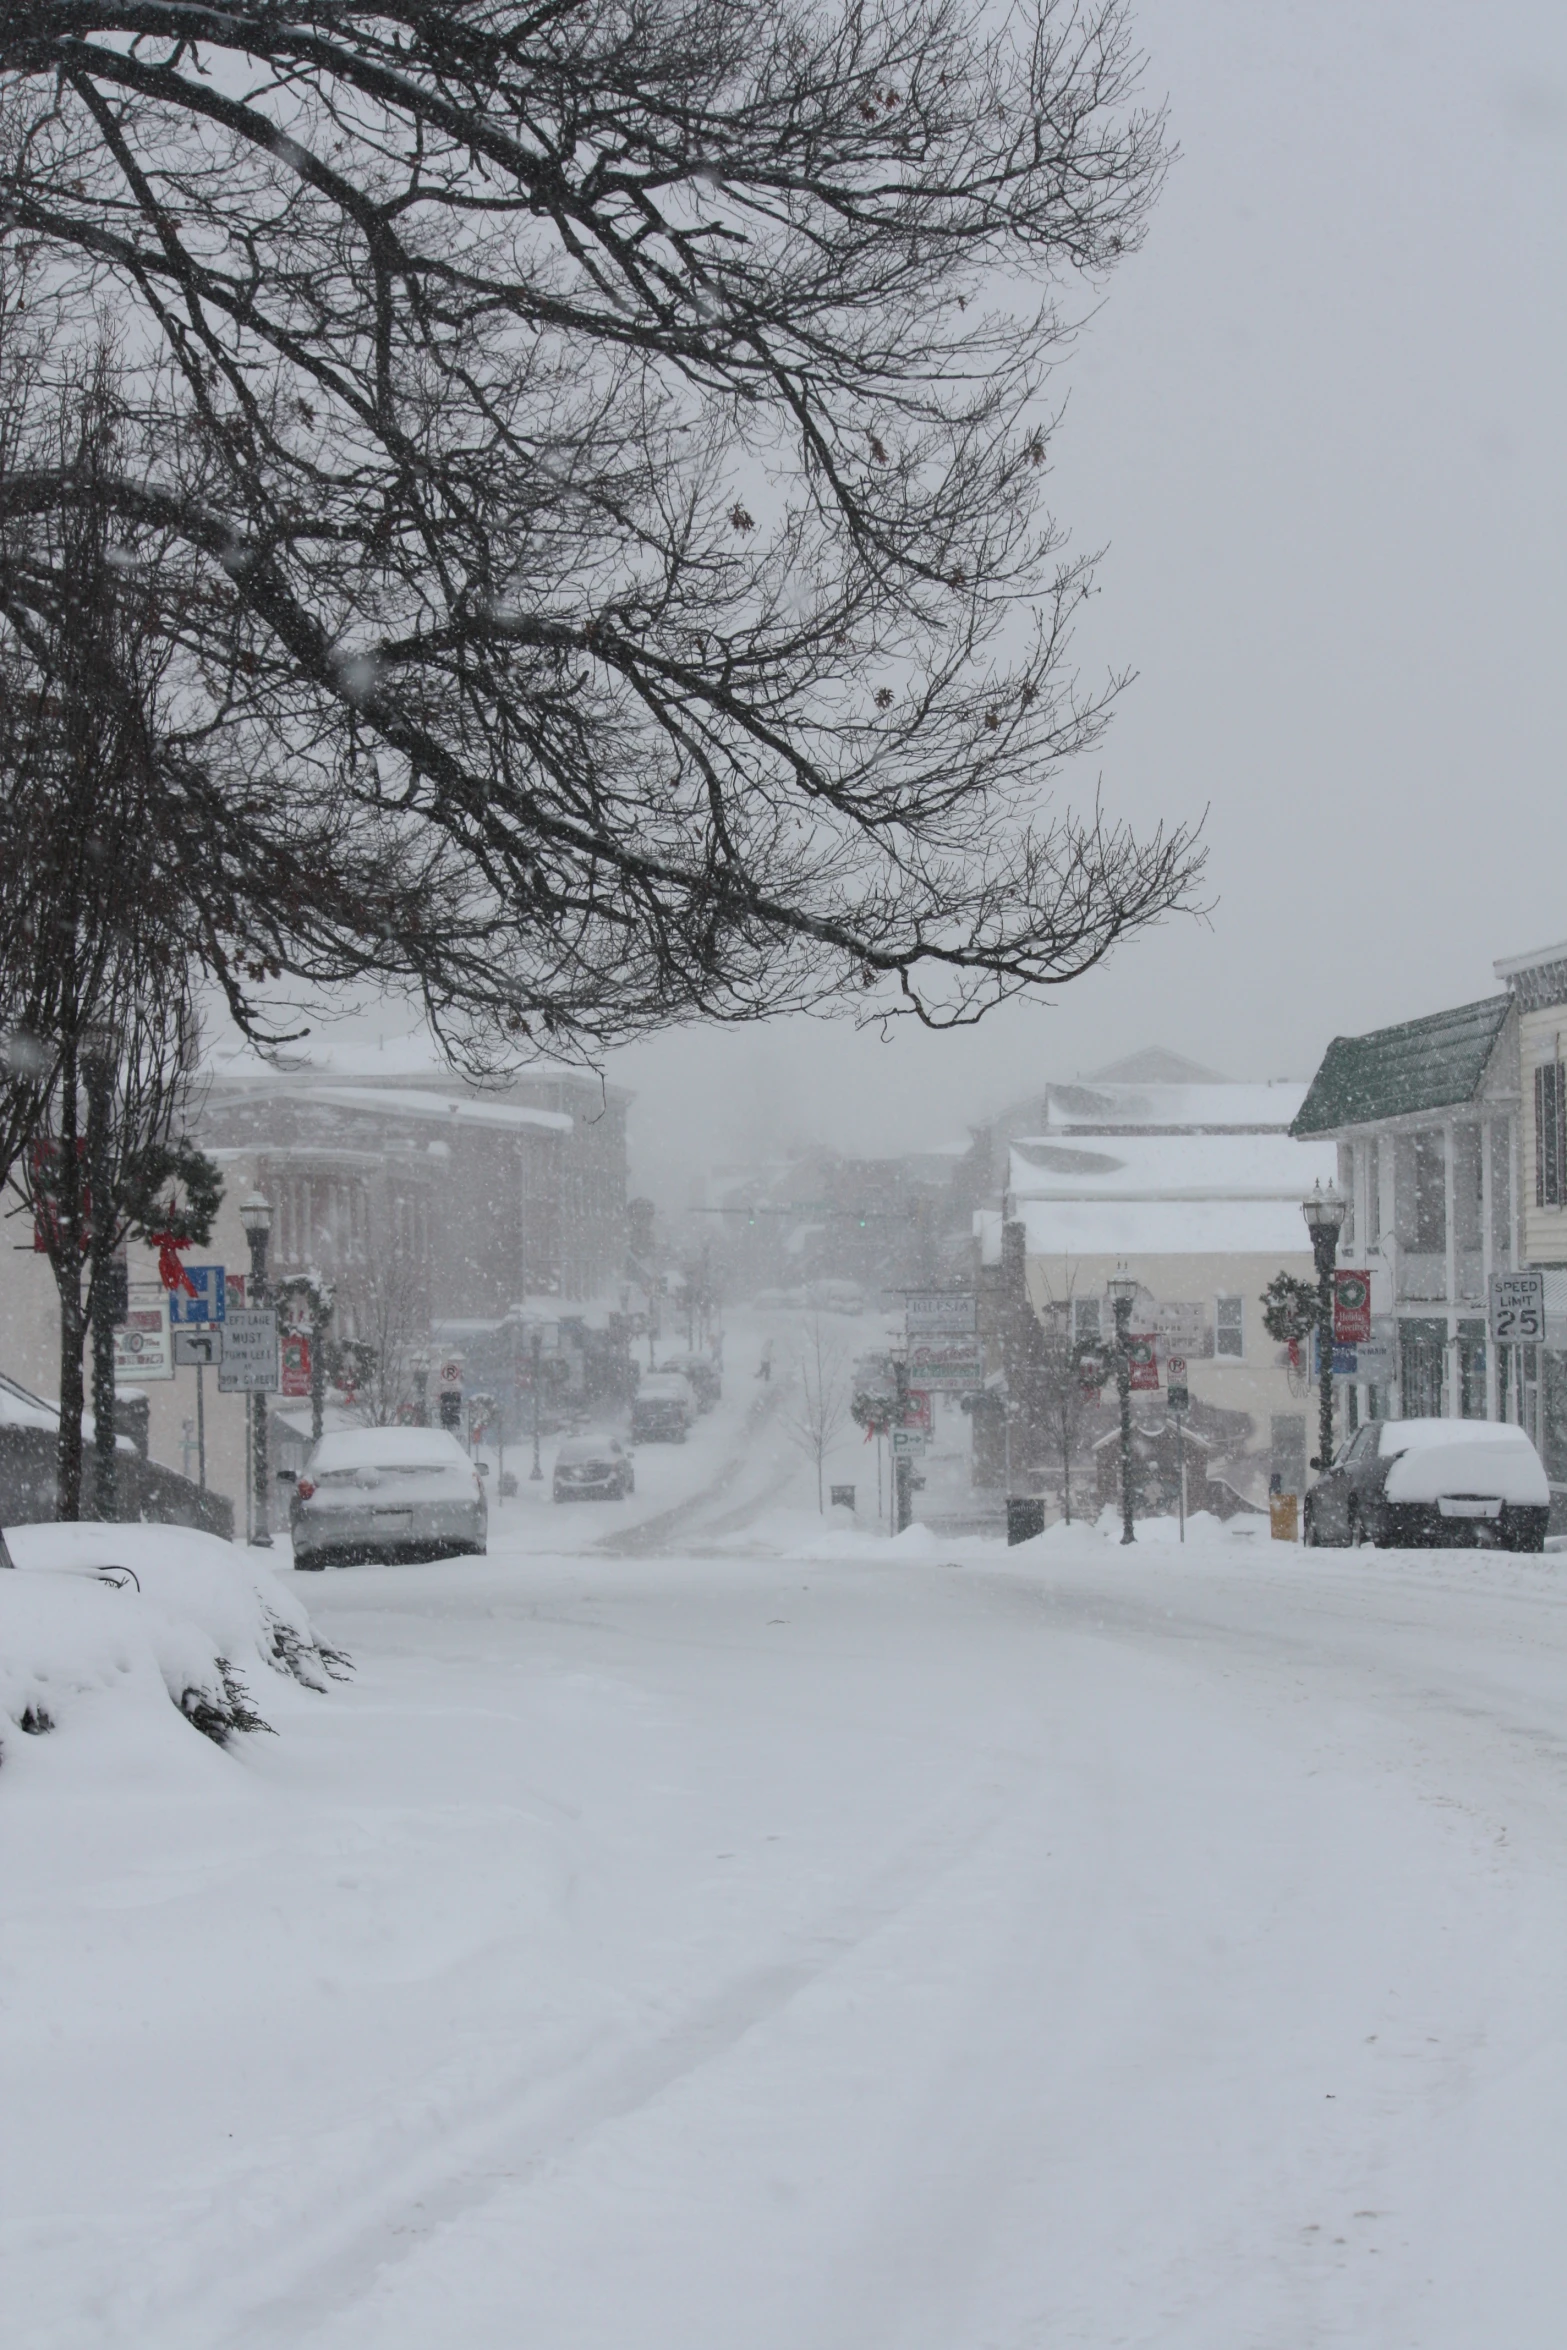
[(1428, 1482), (384, 1492), (662, 1409), (703, 1376), (593, 1468)]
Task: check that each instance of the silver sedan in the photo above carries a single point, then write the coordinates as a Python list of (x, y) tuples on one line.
[(387, 1492)]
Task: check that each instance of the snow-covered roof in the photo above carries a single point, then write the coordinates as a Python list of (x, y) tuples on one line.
[(1102, 1107), (1169, 1167), (449, 1109), (1166, 1194), (1164, 1228)]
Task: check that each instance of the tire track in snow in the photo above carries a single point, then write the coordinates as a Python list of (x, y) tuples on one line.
[(275, 2299), (663, 1531)]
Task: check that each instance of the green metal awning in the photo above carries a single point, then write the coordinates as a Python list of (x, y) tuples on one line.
[(1431, 1064)]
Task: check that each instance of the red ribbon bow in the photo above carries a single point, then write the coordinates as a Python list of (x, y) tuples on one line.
[(170, 1271)]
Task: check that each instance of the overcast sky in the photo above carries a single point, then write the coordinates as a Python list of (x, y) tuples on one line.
[(1318, 427)]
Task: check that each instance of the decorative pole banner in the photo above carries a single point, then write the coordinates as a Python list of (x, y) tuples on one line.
[(1142, 1357), (1351, 1306)]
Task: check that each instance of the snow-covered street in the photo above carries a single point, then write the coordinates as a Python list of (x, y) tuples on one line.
[(837, 1943)]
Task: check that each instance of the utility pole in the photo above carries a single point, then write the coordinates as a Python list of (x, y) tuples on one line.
[(538, 1379)]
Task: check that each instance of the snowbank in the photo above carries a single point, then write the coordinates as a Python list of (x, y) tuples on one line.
[(142, 1615)]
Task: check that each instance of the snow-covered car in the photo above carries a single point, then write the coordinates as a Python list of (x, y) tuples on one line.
[(593, 1468), (387, 1492), (701, 1374), (1428, 1482), (662, 1409)]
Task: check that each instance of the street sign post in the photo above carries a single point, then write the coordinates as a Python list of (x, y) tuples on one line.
[(250, 1352), (907, 1443), (199, 1350), (1517, 1309), (142, 1348), (205, 1302)]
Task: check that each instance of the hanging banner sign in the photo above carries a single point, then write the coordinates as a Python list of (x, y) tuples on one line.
[(143, 1348), (954, 1365), (296, 1362), (1142, 1355), (938, 1312), (1351, 1306)]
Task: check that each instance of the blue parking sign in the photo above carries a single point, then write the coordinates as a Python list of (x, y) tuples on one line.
[(209, 1304)]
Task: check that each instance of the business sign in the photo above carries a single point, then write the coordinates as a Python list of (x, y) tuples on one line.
[(1351, 1306), (1346, 1360), (938, 1313), (1142, 1355), (1517, 1308), (1177, 1393), (1182, 1327), (296, 1363), (907, 1443), (205, 1302), (198, 1350), (1374, 1363), (953, 1364), (250, 1352), (142, 1347)]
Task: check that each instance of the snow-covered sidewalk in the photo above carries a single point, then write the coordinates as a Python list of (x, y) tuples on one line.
[(904, 1947)]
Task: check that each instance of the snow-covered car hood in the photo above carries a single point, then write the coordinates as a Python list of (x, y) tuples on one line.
[(1510, 1472)]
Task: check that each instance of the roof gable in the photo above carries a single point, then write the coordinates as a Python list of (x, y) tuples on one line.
[(1432, 1064)]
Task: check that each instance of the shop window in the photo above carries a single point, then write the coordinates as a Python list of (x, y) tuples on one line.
[(1550, 1136), (1229, 1327)]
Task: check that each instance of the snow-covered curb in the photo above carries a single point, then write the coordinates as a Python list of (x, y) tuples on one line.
[(145, 1615)]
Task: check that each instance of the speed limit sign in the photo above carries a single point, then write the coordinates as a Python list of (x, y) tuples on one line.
[(1517, 1308)]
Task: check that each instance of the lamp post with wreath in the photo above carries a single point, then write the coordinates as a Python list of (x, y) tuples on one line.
[(255, 1214), (1324, 1212)]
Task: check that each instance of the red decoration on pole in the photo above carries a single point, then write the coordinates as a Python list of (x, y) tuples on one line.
[(170, 1271), (1351, 1305)]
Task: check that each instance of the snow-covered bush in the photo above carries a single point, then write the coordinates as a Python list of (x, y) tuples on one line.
[(140, 1609)]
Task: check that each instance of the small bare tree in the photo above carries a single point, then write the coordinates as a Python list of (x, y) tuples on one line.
[(818, 1411), (387, 1306)]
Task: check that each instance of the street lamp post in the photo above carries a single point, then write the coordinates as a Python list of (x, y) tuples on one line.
[(255, 1213), (99, 1052), (1324, 1212), (421, 1375), (1121, 1292)]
